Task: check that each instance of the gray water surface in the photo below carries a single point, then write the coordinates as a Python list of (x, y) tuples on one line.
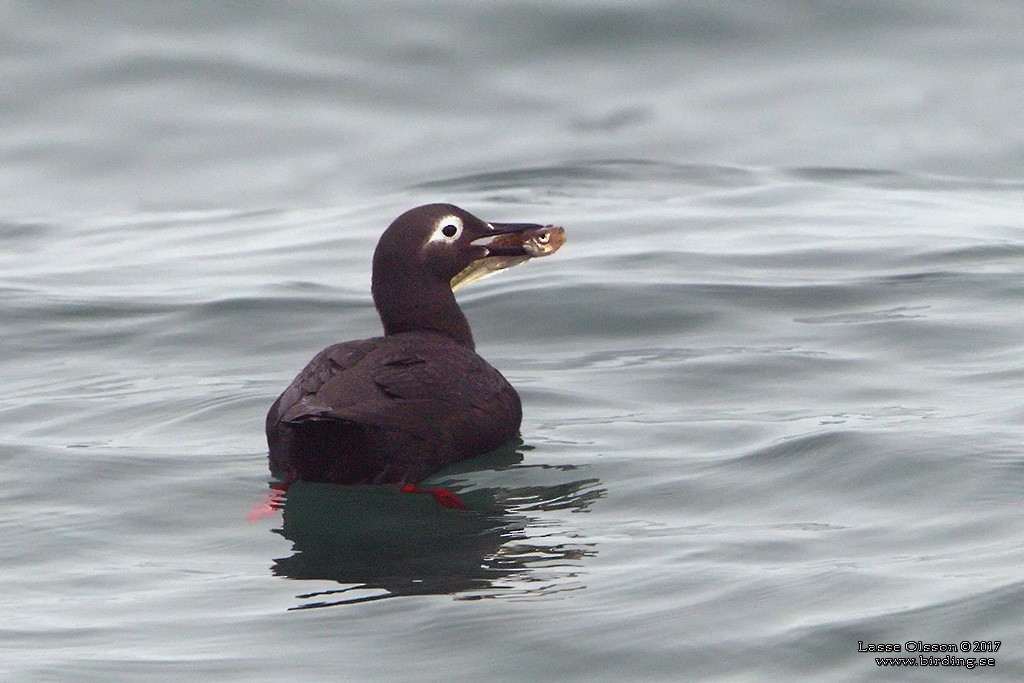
[(771, 384)]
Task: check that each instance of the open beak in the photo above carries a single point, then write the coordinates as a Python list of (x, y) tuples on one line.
[(509, 244)]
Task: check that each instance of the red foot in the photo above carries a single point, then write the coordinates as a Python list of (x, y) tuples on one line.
[(267, 507), (273, 501), (442, 496)]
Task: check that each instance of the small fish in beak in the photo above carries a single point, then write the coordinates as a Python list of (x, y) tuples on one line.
[(509, 249)]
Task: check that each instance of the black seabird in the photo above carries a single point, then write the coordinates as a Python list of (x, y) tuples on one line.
[(397, 408)]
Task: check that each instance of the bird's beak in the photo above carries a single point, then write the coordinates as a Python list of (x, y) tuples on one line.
[(507, 247), (510, 244)]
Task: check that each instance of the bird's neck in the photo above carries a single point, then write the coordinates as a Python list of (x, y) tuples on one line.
[(410, 303)]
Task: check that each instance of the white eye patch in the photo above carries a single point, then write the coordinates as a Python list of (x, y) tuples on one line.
[(448, 229)]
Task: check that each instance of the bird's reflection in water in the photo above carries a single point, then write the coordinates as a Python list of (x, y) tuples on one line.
[(381, 543)]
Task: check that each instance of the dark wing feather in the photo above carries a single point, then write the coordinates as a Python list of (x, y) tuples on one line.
[(422, 398), (298, 402)]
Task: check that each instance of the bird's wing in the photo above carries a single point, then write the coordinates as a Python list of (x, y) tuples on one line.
[(389, 386), (299, 398)]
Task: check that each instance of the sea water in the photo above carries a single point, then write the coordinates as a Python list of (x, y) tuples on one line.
[(772, 384)]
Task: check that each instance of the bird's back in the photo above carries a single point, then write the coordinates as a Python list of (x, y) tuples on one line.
[(390, 409)]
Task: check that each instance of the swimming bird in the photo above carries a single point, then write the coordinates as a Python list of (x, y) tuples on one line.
[(397, 408)]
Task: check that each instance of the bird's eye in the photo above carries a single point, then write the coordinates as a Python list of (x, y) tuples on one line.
[(448, 229)]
